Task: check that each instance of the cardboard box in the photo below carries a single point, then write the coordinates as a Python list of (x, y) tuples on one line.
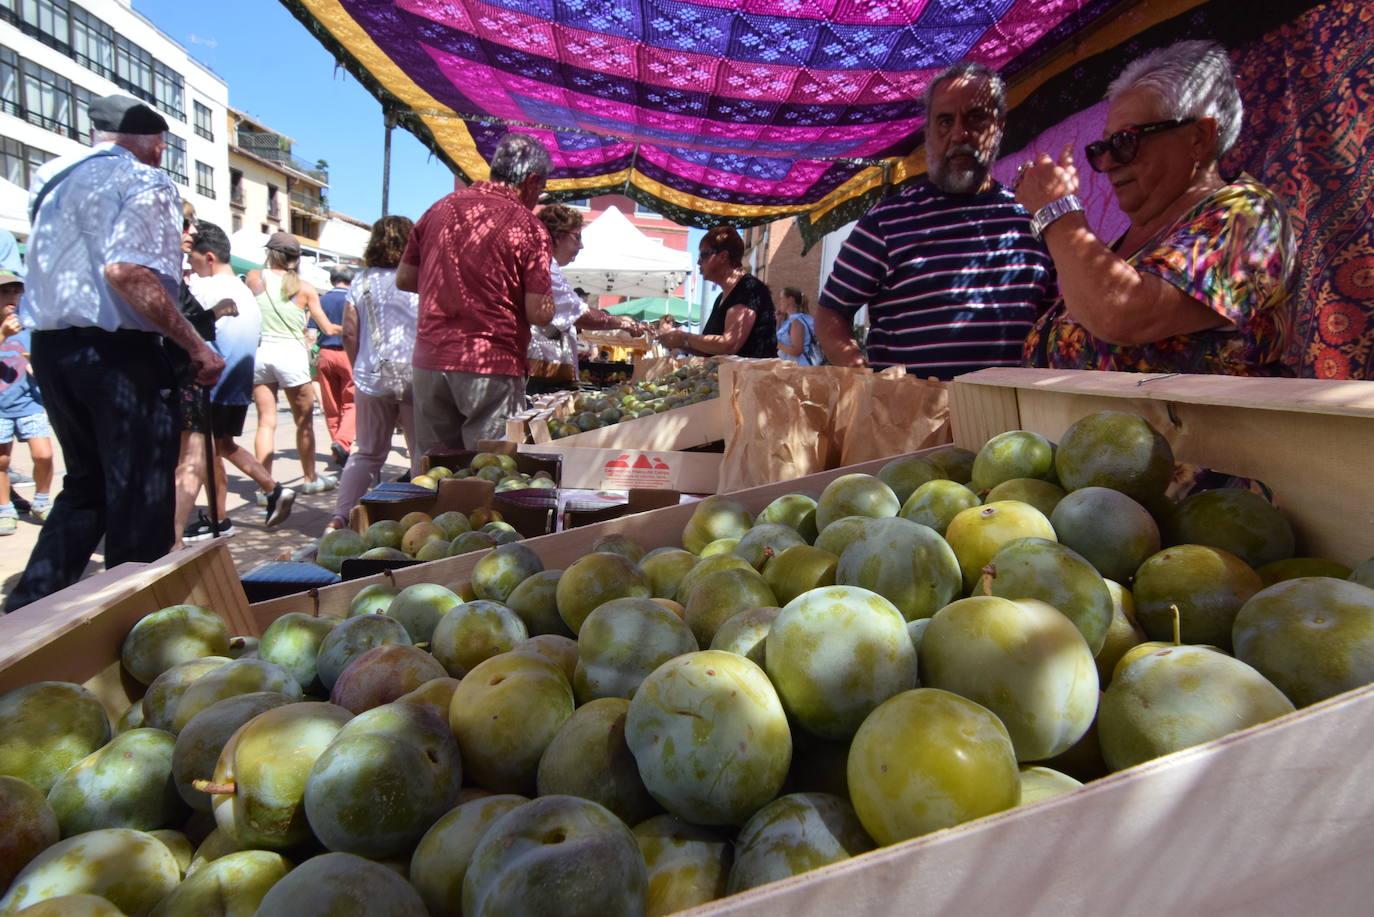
[(626, 469), (531, 515), (1277, 819), (647, 452), (680, 428)]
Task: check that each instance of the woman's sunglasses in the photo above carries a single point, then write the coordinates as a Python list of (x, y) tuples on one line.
[(1125, 144)]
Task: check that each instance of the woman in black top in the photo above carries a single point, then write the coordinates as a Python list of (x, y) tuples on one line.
[(742, 321)]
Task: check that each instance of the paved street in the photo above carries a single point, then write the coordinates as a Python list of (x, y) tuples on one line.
[(253, 543)]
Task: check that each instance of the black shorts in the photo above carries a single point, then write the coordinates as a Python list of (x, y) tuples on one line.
[(227, 420)]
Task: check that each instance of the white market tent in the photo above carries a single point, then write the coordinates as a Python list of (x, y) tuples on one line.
[(619, 260), (14, 208)]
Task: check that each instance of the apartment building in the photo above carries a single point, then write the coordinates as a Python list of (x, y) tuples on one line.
[(272, 189), (58, 55)]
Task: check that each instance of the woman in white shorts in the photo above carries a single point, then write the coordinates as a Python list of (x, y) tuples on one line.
[(283, 361)]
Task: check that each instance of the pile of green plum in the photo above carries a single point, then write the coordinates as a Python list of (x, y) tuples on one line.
[(627, 401), (645, 731)]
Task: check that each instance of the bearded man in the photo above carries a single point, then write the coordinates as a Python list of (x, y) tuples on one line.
[(949, 269)]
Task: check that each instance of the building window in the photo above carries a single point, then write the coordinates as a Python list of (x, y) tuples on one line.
[(273, 203), (235, 222), (11, 98), (93, 43), (48, 99), (205, 123), (169, 90), (235, 188), (82, 99), (19, 161), (134, 69), (205, 180), (50, 20), (174, 157)]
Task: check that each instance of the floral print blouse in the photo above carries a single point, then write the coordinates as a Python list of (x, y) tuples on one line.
[(1233, 252)]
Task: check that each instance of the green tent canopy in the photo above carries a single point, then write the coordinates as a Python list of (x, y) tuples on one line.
[(242, 265), (652, 308)]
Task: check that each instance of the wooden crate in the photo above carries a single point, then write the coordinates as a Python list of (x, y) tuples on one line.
[(75, 634), (1310, 440), (1276, 819)]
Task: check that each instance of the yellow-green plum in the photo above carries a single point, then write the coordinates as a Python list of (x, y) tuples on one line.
[(1022, 660), (1178, 697), (834, 654), (710, 737), (927, 759), (687, 864)]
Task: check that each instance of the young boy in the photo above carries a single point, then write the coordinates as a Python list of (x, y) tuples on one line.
[(21, 409), (236, 340)]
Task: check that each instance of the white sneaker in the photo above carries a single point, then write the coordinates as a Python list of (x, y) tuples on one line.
[(321, 483)]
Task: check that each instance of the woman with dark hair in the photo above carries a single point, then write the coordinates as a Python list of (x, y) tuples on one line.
[(283, 360), (378, 336), (796, 332), (742, 320)]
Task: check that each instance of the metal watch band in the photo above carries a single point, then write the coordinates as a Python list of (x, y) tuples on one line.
[(1053, 211)]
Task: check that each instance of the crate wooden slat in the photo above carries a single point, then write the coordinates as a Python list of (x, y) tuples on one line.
[(75, 635), (1309, 440)]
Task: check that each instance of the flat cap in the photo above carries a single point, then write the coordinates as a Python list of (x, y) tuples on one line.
[(285, 243), (8, 277), (125, 115)]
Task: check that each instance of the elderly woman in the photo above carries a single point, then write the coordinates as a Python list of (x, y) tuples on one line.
[(378, 335), (742, 321), (554, 345), (1199, 281)]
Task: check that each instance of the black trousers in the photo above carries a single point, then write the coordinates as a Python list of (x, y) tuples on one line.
[(109, 400)]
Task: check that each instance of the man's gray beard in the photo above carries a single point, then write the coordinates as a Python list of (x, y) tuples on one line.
[(958, 181), (955, 181)]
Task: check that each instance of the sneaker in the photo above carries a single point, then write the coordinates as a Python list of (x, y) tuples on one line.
[(279, 505), (200, 530), (8, 524), (320, 484), (19, 479), (340, 454), (40, 513)]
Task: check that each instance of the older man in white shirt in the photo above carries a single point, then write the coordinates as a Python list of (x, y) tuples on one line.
[(104, 265)]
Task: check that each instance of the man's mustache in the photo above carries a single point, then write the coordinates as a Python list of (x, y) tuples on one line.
[(965, 149)]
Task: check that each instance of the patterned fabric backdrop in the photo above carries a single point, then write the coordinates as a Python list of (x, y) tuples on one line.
[(749, 111), (1309, 134)]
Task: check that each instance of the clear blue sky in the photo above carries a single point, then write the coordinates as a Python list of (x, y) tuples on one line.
[(280, 74)]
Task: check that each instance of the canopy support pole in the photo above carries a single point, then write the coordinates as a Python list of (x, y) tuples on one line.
[(389, 119)]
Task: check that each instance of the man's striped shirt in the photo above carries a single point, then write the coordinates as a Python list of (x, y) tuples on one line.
[(953, 282)]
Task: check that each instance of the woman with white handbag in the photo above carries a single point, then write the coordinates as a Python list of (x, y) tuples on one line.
[(379, 336)]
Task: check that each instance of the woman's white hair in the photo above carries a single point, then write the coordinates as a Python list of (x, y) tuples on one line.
[(1191, 79)]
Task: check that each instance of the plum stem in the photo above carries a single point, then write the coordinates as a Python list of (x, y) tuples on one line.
[(989, 572), (216, 789), (1173, 610)]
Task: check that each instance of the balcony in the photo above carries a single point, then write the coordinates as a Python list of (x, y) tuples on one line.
[(308, 203), (269, 146)]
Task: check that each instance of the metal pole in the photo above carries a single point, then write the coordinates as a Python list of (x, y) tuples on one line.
[(390, 120), (211, 488)]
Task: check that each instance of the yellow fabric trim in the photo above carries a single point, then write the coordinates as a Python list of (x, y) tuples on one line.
[(449, 130)]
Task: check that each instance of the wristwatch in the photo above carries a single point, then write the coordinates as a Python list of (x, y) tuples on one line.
[(1053, 211)]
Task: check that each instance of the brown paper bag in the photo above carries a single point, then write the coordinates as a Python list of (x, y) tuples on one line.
[(782, 414), (891, 413)]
